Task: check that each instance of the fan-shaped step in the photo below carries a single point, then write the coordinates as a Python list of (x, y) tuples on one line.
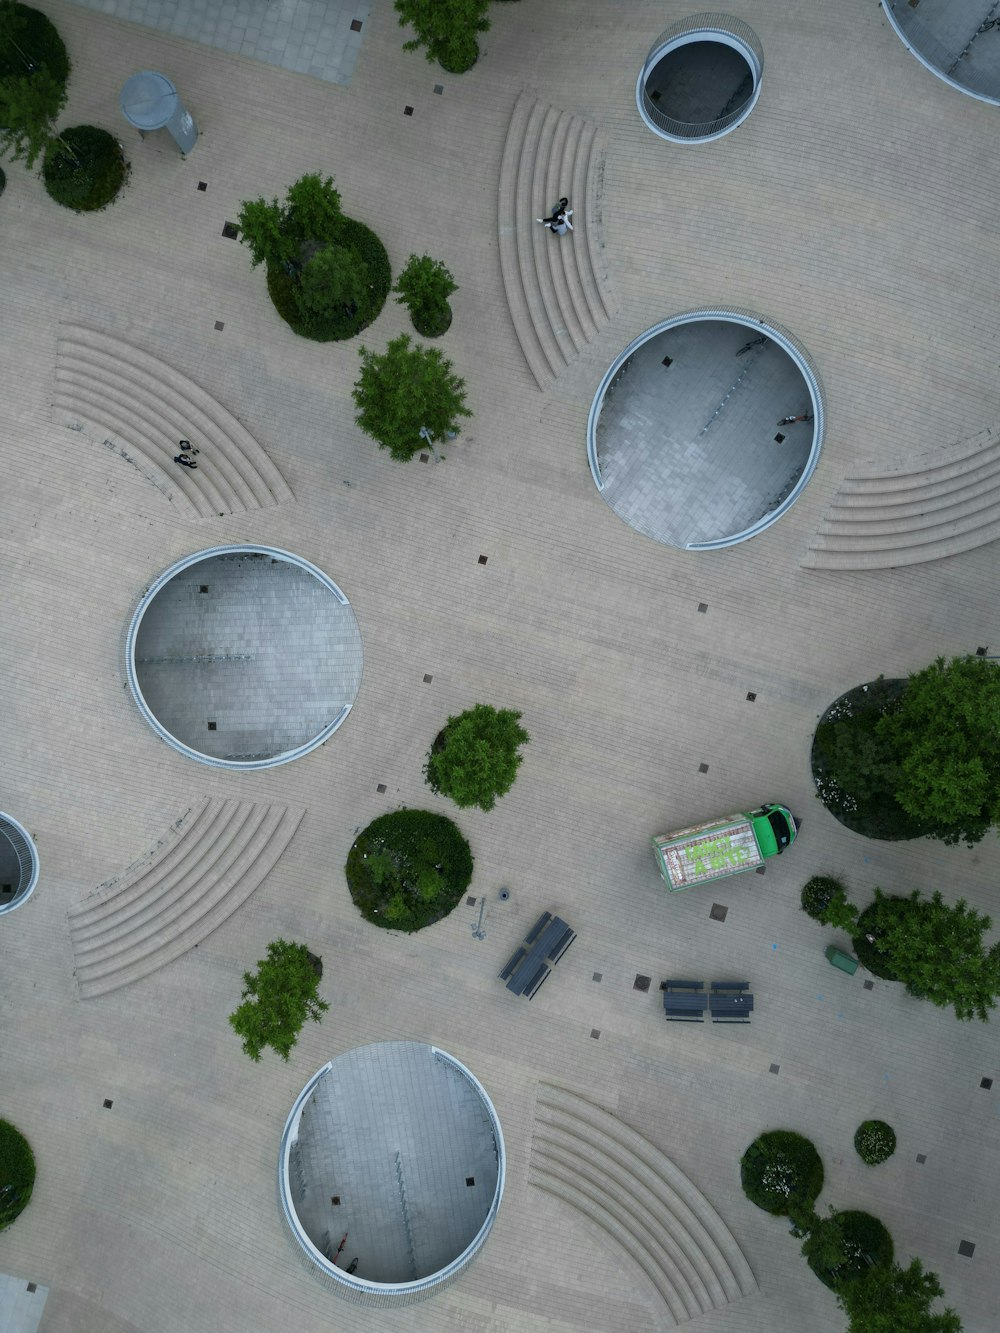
[(589, 1158), (926, 509), (146, 407), (557, 292), (206, 866)]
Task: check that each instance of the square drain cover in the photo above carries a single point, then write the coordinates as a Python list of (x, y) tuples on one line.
[(641, 983), (718, 912)]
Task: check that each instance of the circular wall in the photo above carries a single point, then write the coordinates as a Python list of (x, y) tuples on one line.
[(701, 79), (244, 656), (689, 438), (18, 864), (958, 42), (392, 1165)]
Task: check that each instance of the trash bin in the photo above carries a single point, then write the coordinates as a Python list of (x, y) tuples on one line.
[(844, 961)]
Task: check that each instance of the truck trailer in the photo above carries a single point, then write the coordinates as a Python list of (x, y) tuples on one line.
[(723, 847)]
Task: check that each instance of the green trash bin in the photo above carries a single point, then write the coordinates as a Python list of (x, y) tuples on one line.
[(842, 960)]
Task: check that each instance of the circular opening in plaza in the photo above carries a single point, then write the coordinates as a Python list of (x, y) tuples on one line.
[(701, 79), (244, 656), (391, 1171), (959, 42), (706, 428), (18, 864)]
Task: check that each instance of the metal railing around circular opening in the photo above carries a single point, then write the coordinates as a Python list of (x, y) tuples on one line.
[(720, 28)]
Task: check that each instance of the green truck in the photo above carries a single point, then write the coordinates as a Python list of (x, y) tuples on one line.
[(723, 847)]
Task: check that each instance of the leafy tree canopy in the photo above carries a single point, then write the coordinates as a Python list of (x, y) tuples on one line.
[(475, 759), (276, 233), (29, 105), (446, 28), (17, 1173), (946, 732), (333, 278), (825, 899), (890, 1298), (408, 869), (278, 998), (404, 389), (935, 950)]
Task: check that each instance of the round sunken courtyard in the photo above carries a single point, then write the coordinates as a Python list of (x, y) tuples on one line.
[(706, 428), (244, 656), (701, 79), (391, 1171), (18, 864)]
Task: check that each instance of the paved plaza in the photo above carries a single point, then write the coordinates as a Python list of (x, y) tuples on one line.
[(857, 206)]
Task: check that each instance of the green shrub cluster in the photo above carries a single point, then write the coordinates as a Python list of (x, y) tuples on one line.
[(17, 1173), (408, 869), (781, 1172), (842, 1247), (447, 29), (84, 168), (475, 758), (824, 898), (424, 287), (875, 1141)]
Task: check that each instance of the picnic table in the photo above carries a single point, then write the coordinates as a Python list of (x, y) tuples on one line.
[(528, 968), (685, 1001)]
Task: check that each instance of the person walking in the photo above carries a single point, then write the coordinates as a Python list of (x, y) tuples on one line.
[(185, 447), (185, 460), (558, 221)]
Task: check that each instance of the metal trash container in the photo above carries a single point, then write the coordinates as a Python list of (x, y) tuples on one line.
[(844, 961)]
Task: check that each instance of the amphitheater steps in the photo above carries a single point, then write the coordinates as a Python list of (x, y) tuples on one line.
[(557, 298), (880, 519), (591, 1160), (196, 877), (140, 400)]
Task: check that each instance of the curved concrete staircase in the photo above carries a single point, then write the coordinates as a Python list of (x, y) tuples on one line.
[(587, 1157), (933, 506), (174, 897), (141, 407), (556, 288)]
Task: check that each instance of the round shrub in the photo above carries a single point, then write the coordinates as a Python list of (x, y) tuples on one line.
[(856, 770), (17, 1173), (84, 168), (347, 320), (818, 894), (875, 1141), (461, 54), (41, 47), (433, 321), (844, 1246), (781, 1172), (408, 869)]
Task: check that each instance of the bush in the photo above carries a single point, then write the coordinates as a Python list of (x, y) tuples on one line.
[(875, 1141), (278, 998), (408, 869), (845, 1246), (447, 28), (824, 898), (475, 758), (856, 770), (84, 168), (372, 263), (781, 1172), (424, 287), (17, 1173)]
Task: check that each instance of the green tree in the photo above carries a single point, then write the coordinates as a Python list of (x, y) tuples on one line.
[(404, 390), (424, 287), (29, 105), (262, 231), (278, 998), (17, 1173), (935, 950), (890, 1298), (312, 208), (333, 278), (824, 1247), (946, 733), (446, 28), (276, 233), (475, 758)]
